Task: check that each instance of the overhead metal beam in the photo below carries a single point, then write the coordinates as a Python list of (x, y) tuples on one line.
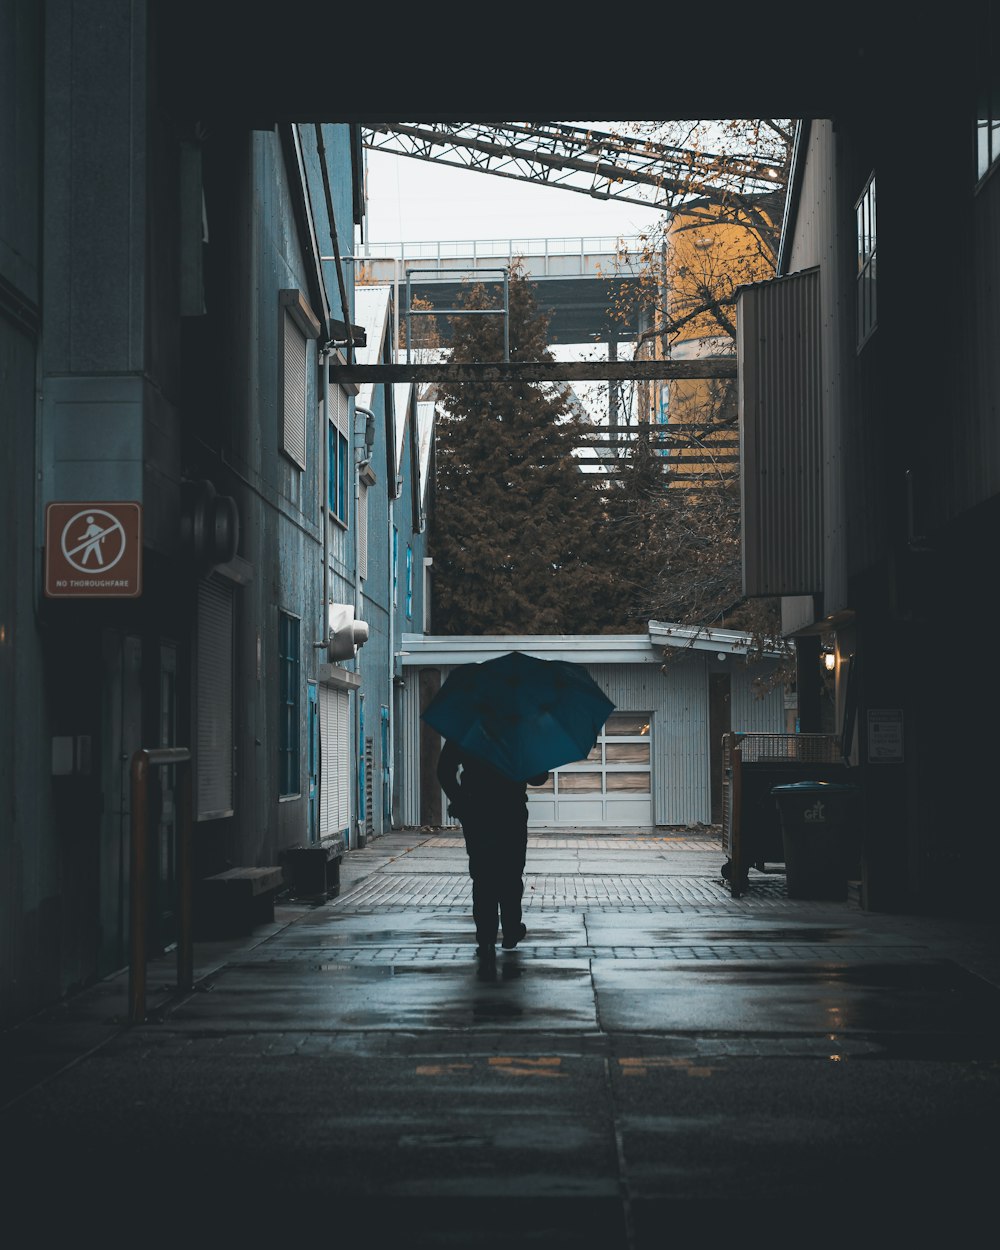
[(602, 164), (537, 371)]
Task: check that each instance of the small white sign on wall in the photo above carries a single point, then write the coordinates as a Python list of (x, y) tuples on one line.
[(885, 736)]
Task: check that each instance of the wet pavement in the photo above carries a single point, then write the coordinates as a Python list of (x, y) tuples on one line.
[(656, 1058)]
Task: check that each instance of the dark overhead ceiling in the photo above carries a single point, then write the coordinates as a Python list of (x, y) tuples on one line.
[(261, 63)]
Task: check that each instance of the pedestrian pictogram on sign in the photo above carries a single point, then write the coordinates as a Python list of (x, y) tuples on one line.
[(93, 550)]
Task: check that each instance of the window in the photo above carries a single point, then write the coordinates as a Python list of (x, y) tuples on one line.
[(409, 582), (987, 137), (288, 704), (612, 786), (395, 566), (298, 326), (867, 301), (663, 412), (338, 457)]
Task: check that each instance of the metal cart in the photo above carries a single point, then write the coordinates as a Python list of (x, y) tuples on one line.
[(752, 764)]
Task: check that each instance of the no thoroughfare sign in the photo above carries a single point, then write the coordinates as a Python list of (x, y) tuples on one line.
[(93, 550)]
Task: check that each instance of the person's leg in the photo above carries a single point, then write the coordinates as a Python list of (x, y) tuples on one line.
[(485, 911), (485, 898), (511, 888)]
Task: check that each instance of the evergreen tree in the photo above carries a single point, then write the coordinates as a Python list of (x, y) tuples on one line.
[(518, 535), (636, 509)]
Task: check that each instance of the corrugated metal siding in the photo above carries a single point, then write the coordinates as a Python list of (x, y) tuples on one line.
[(816, 215), (854, 504), (781, 435), (751, 714), (409, 792)]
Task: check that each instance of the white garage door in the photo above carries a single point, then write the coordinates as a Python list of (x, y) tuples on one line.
[(612, 787)]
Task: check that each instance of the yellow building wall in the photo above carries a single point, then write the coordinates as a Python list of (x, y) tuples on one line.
[(706, 255)]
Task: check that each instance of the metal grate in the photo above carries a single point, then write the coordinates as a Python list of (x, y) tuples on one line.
[(807, 748)]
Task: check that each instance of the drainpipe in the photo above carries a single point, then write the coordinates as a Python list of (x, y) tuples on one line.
[(359, 460), (391, 737), (324, 621)]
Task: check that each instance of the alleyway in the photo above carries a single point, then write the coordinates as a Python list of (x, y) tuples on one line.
[(657, 1059)]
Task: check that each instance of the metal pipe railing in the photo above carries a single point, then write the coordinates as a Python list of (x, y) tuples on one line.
[(142, 761)]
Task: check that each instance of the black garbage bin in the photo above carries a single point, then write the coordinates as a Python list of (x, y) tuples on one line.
[(818, 827)]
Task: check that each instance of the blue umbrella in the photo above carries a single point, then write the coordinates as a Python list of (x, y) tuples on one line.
[(522, 715)]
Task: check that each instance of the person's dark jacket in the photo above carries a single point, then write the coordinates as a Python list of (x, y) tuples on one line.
[(482, 791)]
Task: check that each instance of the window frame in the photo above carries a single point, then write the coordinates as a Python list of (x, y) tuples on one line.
[(590, 777), (294, 314), (338, 475), (866, 239), (290, 705)]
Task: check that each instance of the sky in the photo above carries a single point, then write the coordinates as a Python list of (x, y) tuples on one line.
[(411, 200)]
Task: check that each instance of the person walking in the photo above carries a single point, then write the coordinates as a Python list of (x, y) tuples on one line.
[(493, 810)]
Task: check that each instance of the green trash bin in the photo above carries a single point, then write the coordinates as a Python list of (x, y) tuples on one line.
[(818, 826)]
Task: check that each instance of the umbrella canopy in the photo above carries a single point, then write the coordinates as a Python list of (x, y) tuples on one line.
[(522, 715)]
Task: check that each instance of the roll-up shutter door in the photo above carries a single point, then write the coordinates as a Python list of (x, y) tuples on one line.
[(335, 754), (214, 699)]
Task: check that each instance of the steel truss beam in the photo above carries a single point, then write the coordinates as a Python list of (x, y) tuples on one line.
[(597, 163)]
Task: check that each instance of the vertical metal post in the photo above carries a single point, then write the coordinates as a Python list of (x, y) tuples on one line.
[(409, 319), (139, 876), (506, 314), (139, 890), (736, 853)]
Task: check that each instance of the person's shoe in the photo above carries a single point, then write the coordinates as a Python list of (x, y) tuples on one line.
[(510, 942), (486, 952)]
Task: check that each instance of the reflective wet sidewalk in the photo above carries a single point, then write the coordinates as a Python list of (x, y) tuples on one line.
[(655, 1055)]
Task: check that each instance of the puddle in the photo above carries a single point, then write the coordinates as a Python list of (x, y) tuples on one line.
[(497, 1009), (395, 937), (697, 937)]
